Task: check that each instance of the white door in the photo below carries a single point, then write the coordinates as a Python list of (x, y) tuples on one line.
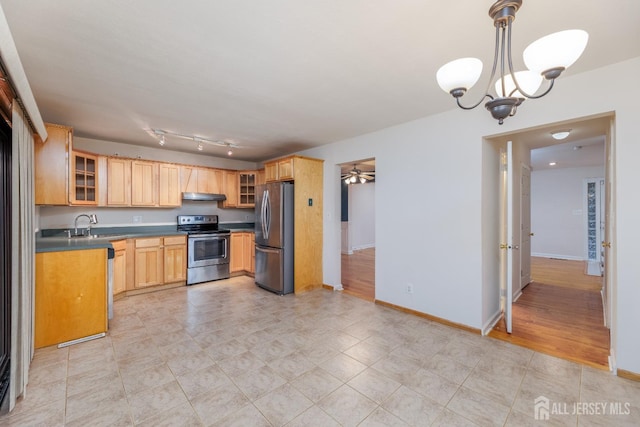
[(525, 221), (506, 235)]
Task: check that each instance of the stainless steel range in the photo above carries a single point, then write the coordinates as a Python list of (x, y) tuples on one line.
[(207, 248)]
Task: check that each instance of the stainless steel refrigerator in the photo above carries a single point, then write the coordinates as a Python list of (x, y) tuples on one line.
[(274, 237)]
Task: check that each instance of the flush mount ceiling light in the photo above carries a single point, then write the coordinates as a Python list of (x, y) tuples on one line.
[(561, 134), (162, 134), (547, 57)]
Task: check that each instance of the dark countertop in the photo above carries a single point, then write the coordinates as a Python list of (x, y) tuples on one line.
[(56, 240)]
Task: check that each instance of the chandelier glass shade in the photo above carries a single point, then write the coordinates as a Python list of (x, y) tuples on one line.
[(545, 59)]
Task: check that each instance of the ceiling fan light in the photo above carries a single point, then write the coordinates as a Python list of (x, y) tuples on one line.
[(362, 180), (557, 50), (347, 180), (461, 73), (352, 179), (527, 80)]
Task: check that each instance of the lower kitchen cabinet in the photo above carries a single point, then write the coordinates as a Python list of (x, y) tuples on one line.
[(149, 260), (175, 259), (242, 252), (249, 253), (236, 262), (160, 261), (119, 266), (70, 295)]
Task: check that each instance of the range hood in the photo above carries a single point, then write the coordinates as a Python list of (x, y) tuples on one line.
[(203, 197)]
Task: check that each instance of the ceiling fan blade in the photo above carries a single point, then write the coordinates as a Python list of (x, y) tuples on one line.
[(367, 177)]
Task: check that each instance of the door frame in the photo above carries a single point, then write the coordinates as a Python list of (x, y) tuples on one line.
[(492, 261)]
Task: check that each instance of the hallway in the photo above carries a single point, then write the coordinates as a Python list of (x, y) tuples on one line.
[(359, 274), (560, 313)]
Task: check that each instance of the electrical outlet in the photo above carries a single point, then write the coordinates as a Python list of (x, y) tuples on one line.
[(137, 218), (409, 288)]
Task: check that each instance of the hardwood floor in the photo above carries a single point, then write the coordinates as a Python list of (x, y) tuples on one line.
[(560, 313), (358, 274)]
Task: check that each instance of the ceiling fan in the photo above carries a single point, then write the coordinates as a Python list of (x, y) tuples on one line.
[(355, 175)]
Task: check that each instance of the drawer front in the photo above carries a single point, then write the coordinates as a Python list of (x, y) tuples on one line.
[(149, 242), (175, 240), (119, 245)]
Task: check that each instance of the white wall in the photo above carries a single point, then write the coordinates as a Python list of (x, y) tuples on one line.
[(362, 213), (429, 186), (63, 216), (558, 219)]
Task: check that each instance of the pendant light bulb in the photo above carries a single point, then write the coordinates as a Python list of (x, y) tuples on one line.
[(229, 153), (200, 146), (162, 140)]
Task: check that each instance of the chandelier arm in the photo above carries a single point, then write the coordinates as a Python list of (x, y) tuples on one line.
[(493, 73), (515, 81)]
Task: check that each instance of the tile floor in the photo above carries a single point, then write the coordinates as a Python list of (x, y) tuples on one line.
[(229, 354)]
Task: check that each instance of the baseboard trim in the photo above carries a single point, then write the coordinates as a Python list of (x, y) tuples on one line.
[(628, 375), (429, 317), (488, 327), (328, 287), (558, 256)]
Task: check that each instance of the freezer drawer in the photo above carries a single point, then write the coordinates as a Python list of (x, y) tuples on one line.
[(270, 270)]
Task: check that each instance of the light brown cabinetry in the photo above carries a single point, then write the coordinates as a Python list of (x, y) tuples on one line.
[(160, 260), (51, 166), (175, 259), (119, 266), (229, 189), (242, 252), (281, 169), (236, 261), (84, 179), (249, 252), (201, 180), (144, 178), (247, 189), (149, 260), (70, 306), (168, 185), (119, 182), (260, 177), (307, 174)]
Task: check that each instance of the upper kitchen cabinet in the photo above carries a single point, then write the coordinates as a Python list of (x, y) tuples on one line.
[(247, 181), (281, 169), (51, 165), (142, 183), (144, 178), (260, 177), (63, 176), (119, 181), (229, 189), (168, 185), (84, 184)]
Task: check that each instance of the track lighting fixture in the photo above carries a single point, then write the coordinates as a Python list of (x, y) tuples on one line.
[(162, 135)]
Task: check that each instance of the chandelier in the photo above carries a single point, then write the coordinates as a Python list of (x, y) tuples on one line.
[(545, 58)]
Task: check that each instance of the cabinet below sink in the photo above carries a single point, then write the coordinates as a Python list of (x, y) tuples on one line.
[(70, 295)]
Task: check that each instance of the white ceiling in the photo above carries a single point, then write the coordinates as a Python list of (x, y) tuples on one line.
[(274, 76)]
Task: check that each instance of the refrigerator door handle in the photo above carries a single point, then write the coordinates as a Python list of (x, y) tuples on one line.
[(267, 250), (266, 215)]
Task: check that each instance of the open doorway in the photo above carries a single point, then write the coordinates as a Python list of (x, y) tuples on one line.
[(557, 307), (358, 228)]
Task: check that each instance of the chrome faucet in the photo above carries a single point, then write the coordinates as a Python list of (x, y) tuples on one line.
[(93, 219)]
